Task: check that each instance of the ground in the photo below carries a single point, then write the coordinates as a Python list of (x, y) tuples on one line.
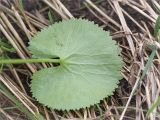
[(131, 24)]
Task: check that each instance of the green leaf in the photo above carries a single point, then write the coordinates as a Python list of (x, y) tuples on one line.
[(21, 6), (157, 27), (89, 67), (5, 46), (154, 105), (51, 17)]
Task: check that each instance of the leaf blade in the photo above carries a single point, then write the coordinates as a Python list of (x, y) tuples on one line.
[(89, 69)]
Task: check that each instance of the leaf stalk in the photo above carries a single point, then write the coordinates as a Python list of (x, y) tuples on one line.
[(20, 61)]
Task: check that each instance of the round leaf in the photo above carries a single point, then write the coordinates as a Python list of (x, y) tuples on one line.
[(89, 67)]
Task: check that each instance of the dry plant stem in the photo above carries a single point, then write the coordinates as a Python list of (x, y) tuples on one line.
[(54, 114), (26, 18), (148, 99), (64, 8), (124, 25), (156, 4), (152, 13), (140, 11), (146, 6), (78, 114), (51, 5), (34, 20), (13, 31), (138, 81), (15, 46), (21, 22), (18, 41), (16, 76), (134, 20), (99, 17), (46, 113), (103, 14), (18, 94), (8, 33), (7, 115), (56, 6)]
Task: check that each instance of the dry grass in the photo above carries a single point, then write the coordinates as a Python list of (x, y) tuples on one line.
[(131, 24)]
